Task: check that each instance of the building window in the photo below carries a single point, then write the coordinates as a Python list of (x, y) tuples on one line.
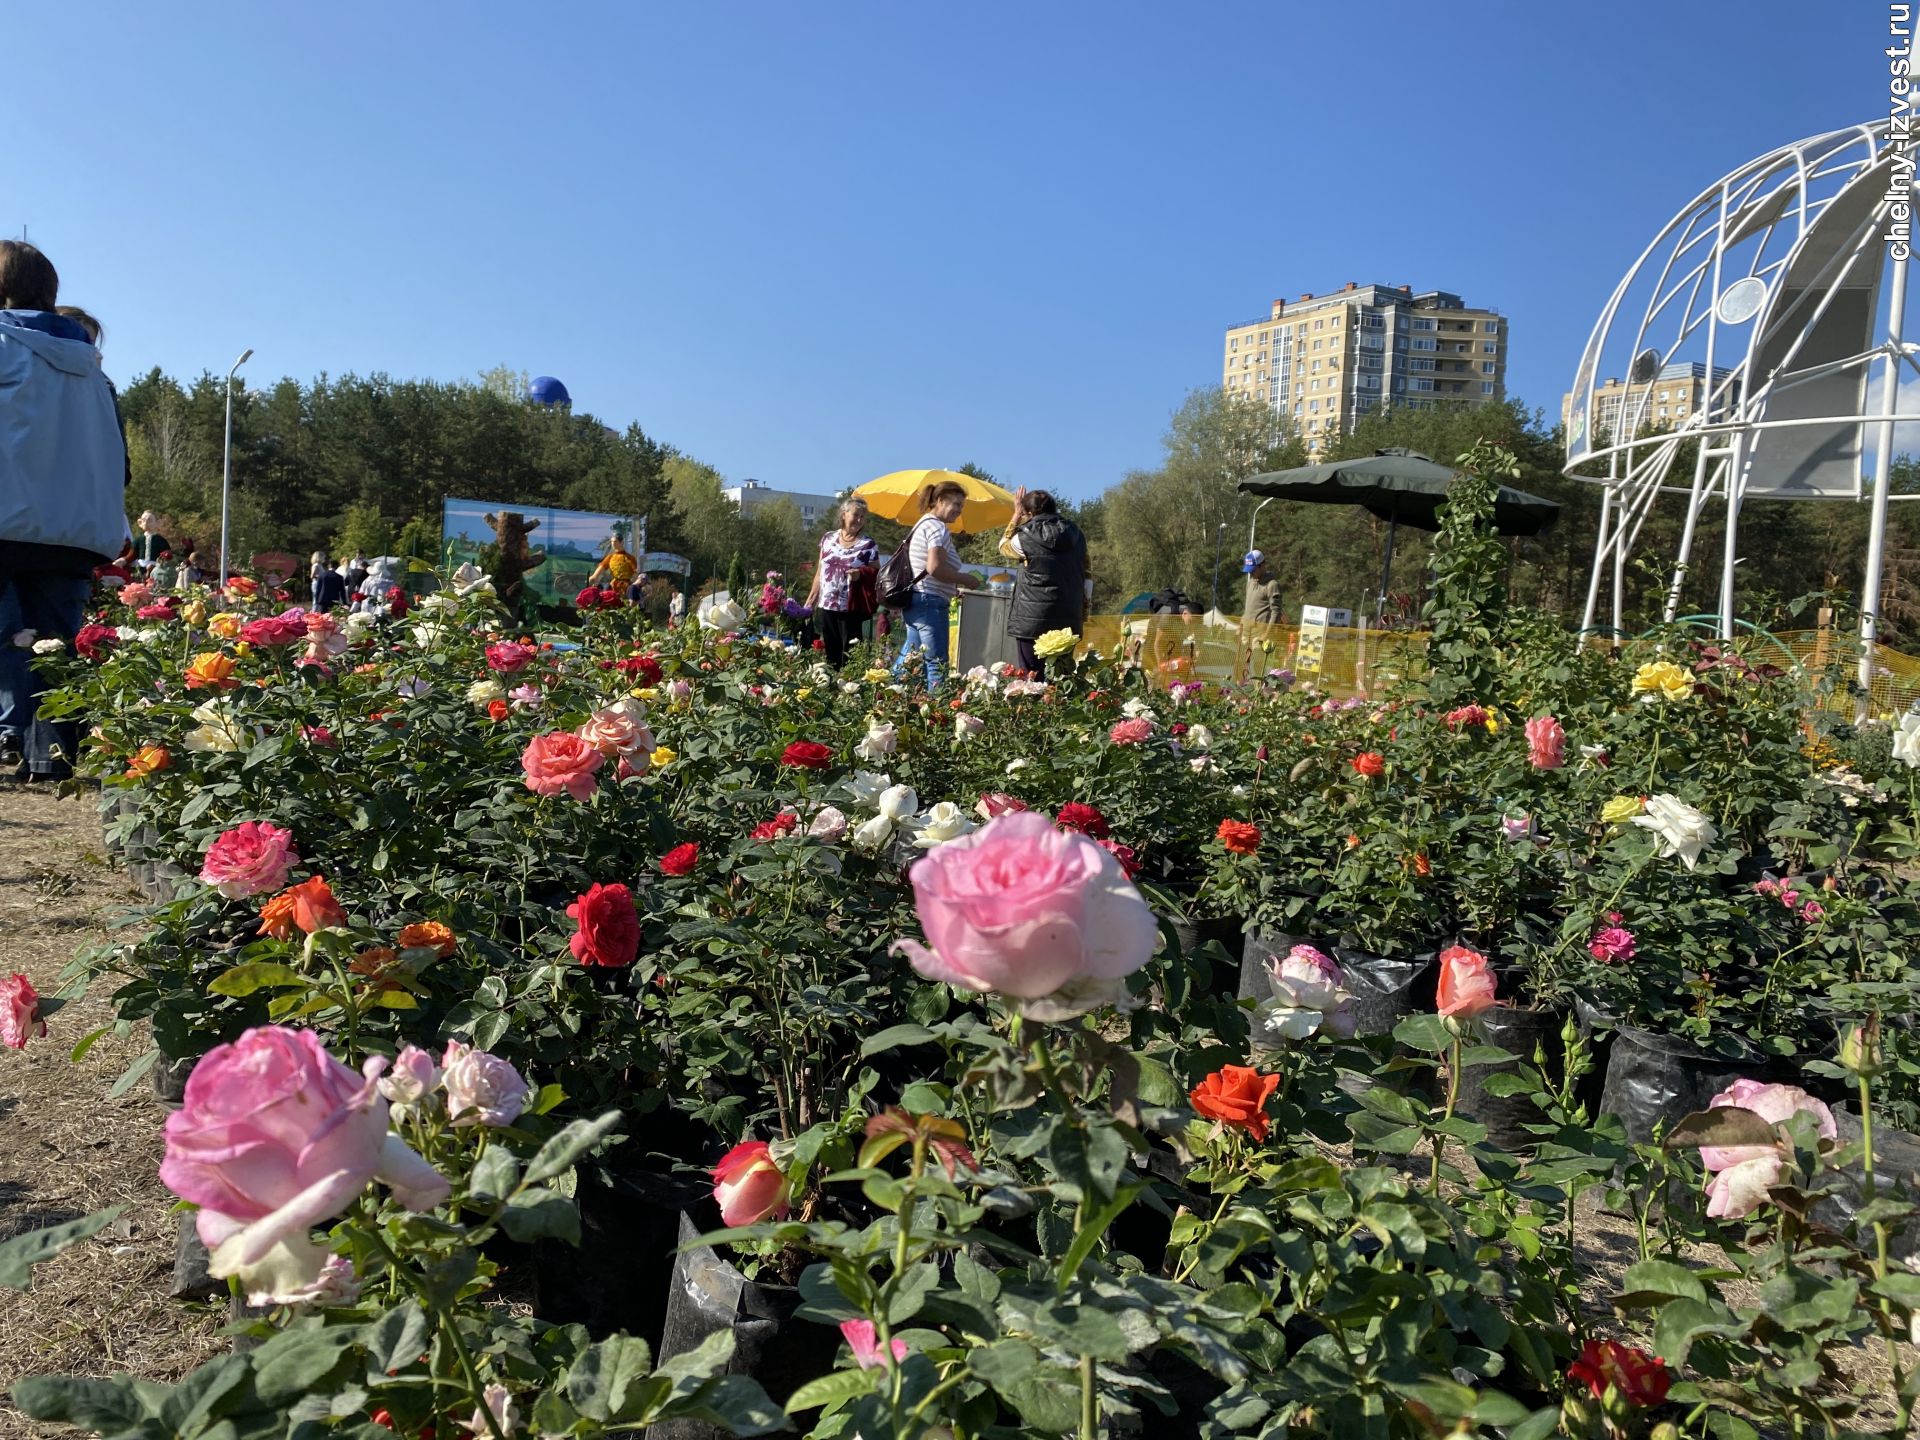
[(1313, 407), (1320, 324), (1425, 344), (1316, 367), (1486, 367), (1420, 383), (1420, 323), (1486, 387), (1488, 347), (1234, 343), (1490, 327)]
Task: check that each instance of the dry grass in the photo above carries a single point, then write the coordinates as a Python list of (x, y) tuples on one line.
[(66, 1149)]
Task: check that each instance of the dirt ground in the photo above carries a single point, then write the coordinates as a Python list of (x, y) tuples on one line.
[(66, 1149)]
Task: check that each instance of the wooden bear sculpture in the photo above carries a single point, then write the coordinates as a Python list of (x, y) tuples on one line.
[(510, 529)]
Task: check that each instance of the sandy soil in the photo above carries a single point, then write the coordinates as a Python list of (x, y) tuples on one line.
[(66, 1149)]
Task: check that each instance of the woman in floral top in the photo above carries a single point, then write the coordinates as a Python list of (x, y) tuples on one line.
[(842, 593)]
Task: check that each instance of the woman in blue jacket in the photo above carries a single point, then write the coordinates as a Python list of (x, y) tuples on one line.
[(63, 467)]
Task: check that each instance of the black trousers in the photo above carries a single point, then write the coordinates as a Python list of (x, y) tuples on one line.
[(1030, 662), (839, 631)]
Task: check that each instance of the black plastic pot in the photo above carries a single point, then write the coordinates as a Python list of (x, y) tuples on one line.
[(1896, 1163), (617, 1277), (169, 1079), (1653, 1078), (710, 1294), (1226, 930), (1520, 1031)]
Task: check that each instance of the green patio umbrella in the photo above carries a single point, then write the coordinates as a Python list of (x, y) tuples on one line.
[(1402, 487)]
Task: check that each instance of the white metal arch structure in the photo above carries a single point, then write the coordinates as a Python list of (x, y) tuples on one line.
[(1767, 301)]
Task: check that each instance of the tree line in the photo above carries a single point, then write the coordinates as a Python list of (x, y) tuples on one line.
[(364, 462)]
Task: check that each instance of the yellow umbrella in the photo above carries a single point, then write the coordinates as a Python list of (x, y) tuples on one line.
[(896, 497)]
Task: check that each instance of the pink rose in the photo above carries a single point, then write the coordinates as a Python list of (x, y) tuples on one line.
[(620, 732), (558, 763), (275, 1137), (509, 657), (249, 859), (747, 1186), (1772, 1103), (1032, 913), (828, 825), (19, 1012), (1611, 944), (1131, 732), (865, 1345), (414, 1077), (282, 629), (482, 1089), (1309, 995), (137, 593), (1546, 743), (1466, 983), (1741, 1189)]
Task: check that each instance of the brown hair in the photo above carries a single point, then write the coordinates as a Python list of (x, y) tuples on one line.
[(28, 280), (93, 327), (932, 495)]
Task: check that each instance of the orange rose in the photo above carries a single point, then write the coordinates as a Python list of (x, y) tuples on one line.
[(378, 964), (226, 625), (1422, 866), (314, 907), (148, 760), (1239, 837), (211, 670), (1236, 1095), (276, 916), (1369, 763), (428, 935)]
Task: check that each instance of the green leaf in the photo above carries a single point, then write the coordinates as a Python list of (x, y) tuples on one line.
[(132, 1074), (296, 1361), (893, 1037), (1427, 1033), (495, 1174), (109, 1407), (1003, 1363), (1092, 1227), (564, 1149), (838, 1388), (600, 1384), (396, 1339), (198, 1395), (1652, 1281), (1681, 1322), (703, 1360), (21, 1253), (255, 975), (910, 1292), (1082, 1330), (1725, 1125), (488, 1029), (79, 1051), (541, 1215)]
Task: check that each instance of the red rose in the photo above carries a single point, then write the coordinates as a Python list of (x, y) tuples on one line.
[(609, 599), (1236, 1095), (996, 803), (1369, 763), (496, 709), (1083, 818), (587, 599), (1128, 857), (807, 755), (680, 860), (781, 824), (94, 641), (1641, 1379), (609, 933), (643, 668)]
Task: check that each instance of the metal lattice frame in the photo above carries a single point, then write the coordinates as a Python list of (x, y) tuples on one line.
[(1751, 230)]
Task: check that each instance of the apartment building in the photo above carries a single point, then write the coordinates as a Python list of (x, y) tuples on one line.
[(1665, 402), (815, 510), (1329, 359)]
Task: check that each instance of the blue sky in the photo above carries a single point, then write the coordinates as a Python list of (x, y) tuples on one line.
[(812, 243)]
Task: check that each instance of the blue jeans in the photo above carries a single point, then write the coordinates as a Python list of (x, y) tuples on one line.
[(52, 603), (925, 623), (16, 675)]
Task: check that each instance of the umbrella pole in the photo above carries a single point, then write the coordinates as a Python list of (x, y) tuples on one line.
[(1386, 572)]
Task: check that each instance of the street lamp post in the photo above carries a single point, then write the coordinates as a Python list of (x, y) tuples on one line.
[(1219, 545), (226, 462)]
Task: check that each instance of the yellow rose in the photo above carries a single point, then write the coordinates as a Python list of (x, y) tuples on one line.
[(1620, 809), (1663, 678), (875, 676), (1055, 642), (211, 671), (645, 692), (195, 613), (1493, 722), (662, 757), (226, 624)]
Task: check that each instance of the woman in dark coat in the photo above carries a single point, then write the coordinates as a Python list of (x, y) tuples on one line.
[(1051, 590)]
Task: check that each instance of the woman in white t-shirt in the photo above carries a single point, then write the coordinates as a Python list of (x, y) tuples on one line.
[(938, 572)]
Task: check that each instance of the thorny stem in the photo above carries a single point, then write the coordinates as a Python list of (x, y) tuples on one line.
[(1453, 1096)]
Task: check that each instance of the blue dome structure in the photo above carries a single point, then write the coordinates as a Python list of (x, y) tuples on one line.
[(545, 390)]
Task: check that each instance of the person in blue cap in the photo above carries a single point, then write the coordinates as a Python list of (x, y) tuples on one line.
[(1263, 591)]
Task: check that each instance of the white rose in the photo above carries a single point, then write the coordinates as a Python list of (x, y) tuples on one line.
[(25, 638), (1200, 737), (49, 647), (849, 687), (965, 726), (1906, 740), (866, 785), (1683, 830), (829, 825), (881, 741), (414, 688), (723, 615), (945, 821), (359, 622), (485, 692), (874, 834), (438, 601), (1138, 709), (897, 802), (1017, 765)]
